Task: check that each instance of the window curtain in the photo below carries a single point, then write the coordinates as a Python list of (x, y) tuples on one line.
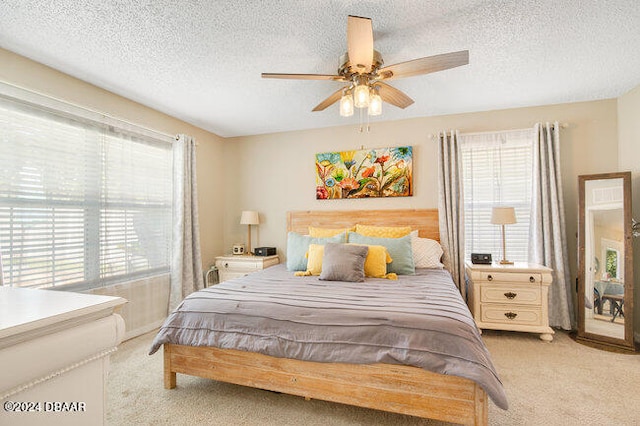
[(450, 206), (186, 264), (547, 229)]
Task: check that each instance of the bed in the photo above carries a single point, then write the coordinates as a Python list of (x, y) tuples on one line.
[(382, 382)]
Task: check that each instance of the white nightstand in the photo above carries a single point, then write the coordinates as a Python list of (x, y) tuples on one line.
[(238, 266), (511, 297)]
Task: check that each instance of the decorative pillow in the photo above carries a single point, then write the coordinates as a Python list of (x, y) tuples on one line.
[(298, 245), (314, 259), (426, 253), (383, 231), (399, 249), (375, 265), (343, 262), (328, 232)]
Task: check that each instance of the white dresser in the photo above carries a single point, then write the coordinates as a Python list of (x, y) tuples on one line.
[(240, 265), (511, 297), (54, 356)]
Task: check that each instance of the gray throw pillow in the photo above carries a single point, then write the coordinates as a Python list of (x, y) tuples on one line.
[(342, 262)]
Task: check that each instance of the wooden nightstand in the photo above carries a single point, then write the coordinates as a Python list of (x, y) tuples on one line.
[(511, 297), (238, 266)]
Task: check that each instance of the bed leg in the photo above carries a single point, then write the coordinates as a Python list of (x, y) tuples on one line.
[(169, 376), (482, 407)]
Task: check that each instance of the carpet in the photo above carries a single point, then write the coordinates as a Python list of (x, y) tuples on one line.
[(558, 383)]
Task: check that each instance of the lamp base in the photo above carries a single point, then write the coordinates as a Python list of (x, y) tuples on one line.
[(506, 262)]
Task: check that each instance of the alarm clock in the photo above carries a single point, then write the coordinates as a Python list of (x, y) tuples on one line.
[(481, 258), (238, 249)]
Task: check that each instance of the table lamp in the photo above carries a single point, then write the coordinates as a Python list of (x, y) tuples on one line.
[(503, 216), (249, 217)]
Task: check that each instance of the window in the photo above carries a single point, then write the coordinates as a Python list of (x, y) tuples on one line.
[(82, 204), (611, 265), (497, 170)]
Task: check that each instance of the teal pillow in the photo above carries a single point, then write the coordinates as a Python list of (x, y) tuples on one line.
[(399, 249), (298, 245)]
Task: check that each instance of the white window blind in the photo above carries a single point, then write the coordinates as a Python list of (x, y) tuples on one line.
[(497, 170), (82, 204)]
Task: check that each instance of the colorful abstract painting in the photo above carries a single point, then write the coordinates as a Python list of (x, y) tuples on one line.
[(385, 172)]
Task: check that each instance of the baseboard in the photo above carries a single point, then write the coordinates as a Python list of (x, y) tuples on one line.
[(143, 330)]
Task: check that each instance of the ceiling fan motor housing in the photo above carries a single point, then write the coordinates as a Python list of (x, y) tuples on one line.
[(348, 70)]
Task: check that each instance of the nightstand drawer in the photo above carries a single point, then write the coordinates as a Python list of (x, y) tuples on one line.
[(239, 265), (532, 278), (505, 314), (519, 295)]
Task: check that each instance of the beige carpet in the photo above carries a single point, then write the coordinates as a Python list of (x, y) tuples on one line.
[(561, 383)]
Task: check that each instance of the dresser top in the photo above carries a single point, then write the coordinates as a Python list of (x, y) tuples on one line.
[(25, 310), (516, 267)]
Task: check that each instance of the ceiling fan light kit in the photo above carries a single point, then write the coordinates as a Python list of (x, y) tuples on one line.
[(346, 104), (362, 68), (375, 102)]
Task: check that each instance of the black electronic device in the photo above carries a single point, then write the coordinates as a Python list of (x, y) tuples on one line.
[(481, 258), (264, 251)]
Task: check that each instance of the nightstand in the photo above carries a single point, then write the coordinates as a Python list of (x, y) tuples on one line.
[(511, 297), (238, 266)]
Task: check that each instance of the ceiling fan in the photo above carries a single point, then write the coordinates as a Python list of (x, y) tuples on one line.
[(361, 67)]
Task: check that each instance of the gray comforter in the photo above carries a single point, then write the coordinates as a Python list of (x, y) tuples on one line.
[(418, 320)]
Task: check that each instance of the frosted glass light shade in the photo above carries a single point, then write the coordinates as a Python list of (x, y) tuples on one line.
[(375, 104), (346, 105), (503, 215), (361, 96), (249, 217)]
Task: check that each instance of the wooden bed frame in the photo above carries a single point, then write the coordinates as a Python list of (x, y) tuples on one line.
[(394, 388)]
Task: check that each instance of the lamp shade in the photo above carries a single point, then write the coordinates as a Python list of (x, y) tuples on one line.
[(249, 217), (503, 215)]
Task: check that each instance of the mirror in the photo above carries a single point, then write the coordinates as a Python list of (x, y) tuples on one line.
[(605, 263)]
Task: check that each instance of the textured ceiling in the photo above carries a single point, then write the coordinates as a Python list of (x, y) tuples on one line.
[(201, 60)]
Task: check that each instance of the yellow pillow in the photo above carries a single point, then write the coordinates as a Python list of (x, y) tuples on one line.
[(328, 232), (314, 260), (375, 265), (383, 231)]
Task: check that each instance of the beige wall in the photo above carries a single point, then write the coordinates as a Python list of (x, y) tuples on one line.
[(275, 173), (22, 72), (629, 160)]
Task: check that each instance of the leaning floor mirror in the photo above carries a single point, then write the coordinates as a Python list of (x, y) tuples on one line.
[(605, 264)]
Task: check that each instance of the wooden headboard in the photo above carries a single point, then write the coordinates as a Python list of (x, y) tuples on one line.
[(424, 220)]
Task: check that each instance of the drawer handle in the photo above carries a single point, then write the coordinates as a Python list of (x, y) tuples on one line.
[(532, 280), (510, 295), (489, 278), (226, 265), (510, 315)]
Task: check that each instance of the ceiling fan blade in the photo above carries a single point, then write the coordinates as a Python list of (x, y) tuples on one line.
[(304, 76), (393, 96), (360, 43), (425, 65), (335, 97)]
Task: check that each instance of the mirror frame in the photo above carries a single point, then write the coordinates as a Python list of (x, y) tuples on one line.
[(597, 339)]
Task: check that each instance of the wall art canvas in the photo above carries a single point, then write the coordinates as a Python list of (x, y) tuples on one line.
[(384, 172)]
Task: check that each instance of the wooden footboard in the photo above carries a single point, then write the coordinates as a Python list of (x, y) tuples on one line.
[(394, 388)]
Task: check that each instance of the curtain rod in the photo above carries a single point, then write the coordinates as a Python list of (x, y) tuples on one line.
[(432, 136), (43, 100)]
